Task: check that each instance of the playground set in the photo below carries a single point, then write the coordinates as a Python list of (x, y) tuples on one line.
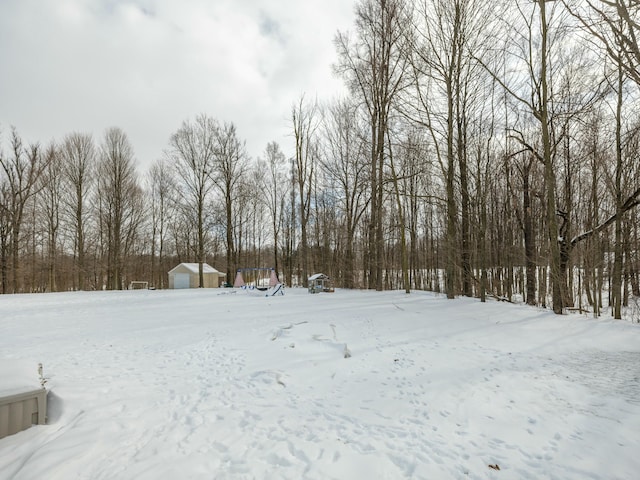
[(260, 279)]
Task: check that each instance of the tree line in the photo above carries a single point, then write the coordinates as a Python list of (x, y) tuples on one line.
[(484, 149)]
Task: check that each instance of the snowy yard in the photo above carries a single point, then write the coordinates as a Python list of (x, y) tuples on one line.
[(206, 384)]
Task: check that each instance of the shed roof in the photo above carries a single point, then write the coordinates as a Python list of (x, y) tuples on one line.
[(194, 268), (318, 276)]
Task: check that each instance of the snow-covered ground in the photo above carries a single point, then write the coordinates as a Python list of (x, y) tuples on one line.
[(206, 384)]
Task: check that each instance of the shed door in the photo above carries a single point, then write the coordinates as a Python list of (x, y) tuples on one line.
[(181, 280)]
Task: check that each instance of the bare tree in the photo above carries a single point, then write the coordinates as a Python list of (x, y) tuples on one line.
[(78, 157), (161, 190), (22, 171), (5, 231), (51, 210), (618, 251), (346, 168), (229, 168), (614, 26), (305, 124), (451, 34), (533, 51), (192, 150), (375, 67), (119, 204), (275, 189), (402, 223), (290, 231)]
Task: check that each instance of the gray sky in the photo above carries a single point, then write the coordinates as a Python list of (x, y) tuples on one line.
[(147, 65)]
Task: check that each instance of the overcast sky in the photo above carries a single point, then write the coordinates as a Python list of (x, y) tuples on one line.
[(147, 65)]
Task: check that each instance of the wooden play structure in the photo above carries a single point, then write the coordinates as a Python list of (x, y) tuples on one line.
[(258, 278), (320, 283)]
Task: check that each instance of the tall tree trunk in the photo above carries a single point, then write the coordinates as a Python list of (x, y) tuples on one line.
[(616, 283), (450, 273), (529, 235), (404, 260), (201, 257), (549, 172)]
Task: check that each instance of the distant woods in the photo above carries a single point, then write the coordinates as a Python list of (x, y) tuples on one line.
[(484, 149)]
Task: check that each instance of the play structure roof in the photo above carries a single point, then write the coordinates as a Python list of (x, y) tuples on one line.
[(318, 276)]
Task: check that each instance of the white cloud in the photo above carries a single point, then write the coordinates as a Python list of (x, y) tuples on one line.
[(147, 65)]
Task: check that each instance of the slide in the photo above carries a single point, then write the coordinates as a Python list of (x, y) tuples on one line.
[(277, 289)]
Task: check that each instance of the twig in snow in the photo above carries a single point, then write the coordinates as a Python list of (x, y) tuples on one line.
[(43, 380)]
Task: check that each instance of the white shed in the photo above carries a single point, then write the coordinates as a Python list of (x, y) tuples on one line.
[(186, 275)]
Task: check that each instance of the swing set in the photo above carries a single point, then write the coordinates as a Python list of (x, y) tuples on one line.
[(258, 278)]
